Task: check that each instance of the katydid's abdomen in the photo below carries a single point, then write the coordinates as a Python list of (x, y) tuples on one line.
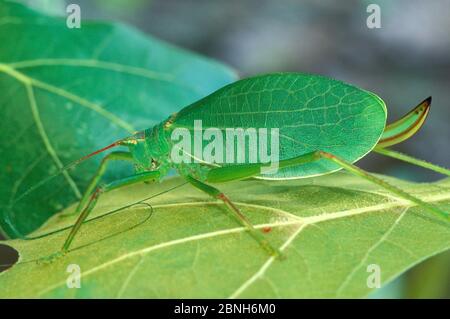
[(311, 112)]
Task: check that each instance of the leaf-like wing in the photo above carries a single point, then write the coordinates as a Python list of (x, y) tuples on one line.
[(310, 112)]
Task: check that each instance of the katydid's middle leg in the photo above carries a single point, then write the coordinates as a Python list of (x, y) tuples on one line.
[(217, 194), (138, 178)]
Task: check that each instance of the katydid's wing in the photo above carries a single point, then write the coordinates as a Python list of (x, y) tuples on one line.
[(311, 112)]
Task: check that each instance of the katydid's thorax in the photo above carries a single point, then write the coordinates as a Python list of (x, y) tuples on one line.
[(151, 150)]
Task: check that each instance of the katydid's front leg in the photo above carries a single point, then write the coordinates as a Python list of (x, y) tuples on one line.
[(138, 178), (114, 156), (217, 194)]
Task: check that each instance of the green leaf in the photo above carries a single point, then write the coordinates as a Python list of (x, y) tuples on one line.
[(67, 92), (53, 7), (331, 228)]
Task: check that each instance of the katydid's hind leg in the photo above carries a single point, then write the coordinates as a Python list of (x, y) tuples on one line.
[(360, 172), (412, 160), (217, 194), (142, 177), (403, 129), (114, 156), (245, 171)]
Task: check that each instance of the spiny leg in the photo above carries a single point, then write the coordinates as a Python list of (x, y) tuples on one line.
[(142, 177), (217, 194), (403, 129), (412, 160), (114, 156), (229, 173), (360, 172), (232, 173)]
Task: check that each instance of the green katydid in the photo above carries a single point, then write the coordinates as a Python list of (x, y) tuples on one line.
[(324, 125)]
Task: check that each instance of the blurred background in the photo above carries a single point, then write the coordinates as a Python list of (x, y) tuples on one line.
[(404, 61)]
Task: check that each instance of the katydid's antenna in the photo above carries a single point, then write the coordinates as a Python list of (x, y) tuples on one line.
[(67, 167)]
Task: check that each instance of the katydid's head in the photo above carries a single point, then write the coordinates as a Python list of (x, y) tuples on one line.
[(148, 148)]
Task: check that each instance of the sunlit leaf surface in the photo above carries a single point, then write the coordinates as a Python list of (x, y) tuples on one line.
[(330, 228)]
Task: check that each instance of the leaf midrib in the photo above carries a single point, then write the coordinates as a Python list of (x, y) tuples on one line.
[(95, 63)]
